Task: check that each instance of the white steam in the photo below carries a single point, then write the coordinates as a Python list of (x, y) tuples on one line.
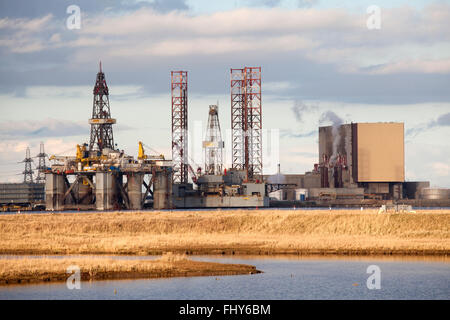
[(336, 122)]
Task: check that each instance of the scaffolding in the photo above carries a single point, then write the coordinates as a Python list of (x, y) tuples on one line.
[(246, 121)]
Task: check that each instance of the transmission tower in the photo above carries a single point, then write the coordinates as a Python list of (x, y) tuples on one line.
[(246, 121), (179, 126), (28, 172), (213, 144), (41, 167), (101, 122)]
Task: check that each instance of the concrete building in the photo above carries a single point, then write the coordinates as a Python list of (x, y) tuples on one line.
[(357, 161), (15, 196)]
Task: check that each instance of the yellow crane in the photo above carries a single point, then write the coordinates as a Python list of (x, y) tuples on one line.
[(143, 156), (141, 153)]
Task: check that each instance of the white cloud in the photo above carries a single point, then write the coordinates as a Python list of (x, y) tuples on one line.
[(28, 25), (333, 36), (41, 128), (415, 66), (441, 168)]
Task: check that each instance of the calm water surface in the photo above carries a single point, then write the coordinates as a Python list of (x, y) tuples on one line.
[(283, 278)]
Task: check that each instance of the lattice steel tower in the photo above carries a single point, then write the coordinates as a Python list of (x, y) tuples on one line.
[(41, 167), (237, 124), (179, 87), (28, 172), (213, 144), (101, 122), (246, 121)]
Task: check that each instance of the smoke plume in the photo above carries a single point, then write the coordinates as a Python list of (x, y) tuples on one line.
[(300, 108), (336, 121)]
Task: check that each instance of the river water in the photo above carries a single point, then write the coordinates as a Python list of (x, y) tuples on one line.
[(285, 277)]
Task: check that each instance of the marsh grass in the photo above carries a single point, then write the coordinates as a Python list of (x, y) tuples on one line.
[(227, 232)]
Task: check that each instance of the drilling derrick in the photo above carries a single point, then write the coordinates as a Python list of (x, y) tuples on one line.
[(28, 172), (246, 121), (237, 119), (179, 126), (41, 167), (101, 122), (213, 144)]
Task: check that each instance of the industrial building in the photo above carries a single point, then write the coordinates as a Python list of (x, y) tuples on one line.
[(359, 164), (28, 195)]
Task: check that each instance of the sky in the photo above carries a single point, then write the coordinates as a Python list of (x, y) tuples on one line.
[(322, 62)]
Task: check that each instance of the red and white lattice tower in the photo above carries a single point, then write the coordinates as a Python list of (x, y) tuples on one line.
[(237, 119), (179, 89), (246, 121)]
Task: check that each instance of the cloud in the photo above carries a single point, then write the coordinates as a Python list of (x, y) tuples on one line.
[(307, 3), (320, 53), (27, 25), (10, 162), (442, 121), (292, 134), (414, 66), (441, 168), (332, 36), (42, 128)]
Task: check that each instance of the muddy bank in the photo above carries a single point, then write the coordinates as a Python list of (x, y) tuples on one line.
[(26, 270)]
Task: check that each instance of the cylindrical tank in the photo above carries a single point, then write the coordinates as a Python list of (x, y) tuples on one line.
[(105, 191), (135, 181), (162, 189), (435, 193), (276, 195), (54, 191)]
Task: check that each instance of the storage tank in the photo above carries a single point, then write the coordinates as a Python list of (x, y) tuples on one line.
[(435, 193), (135, 181), (162, 189), (55, 189), (276, 195), (105, 191)]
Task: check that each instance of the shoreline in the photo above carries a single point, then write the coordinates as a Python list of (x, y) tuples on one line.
[(230, 252), (43, 270)]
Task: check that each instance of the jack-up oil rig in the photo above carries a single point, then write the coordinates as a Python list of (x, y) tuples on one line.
[(240, 186), (103, 177)]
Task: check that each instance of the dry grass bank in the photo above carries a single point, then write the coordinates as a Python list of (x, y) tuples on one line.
[(237, 231), (29, 270)]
